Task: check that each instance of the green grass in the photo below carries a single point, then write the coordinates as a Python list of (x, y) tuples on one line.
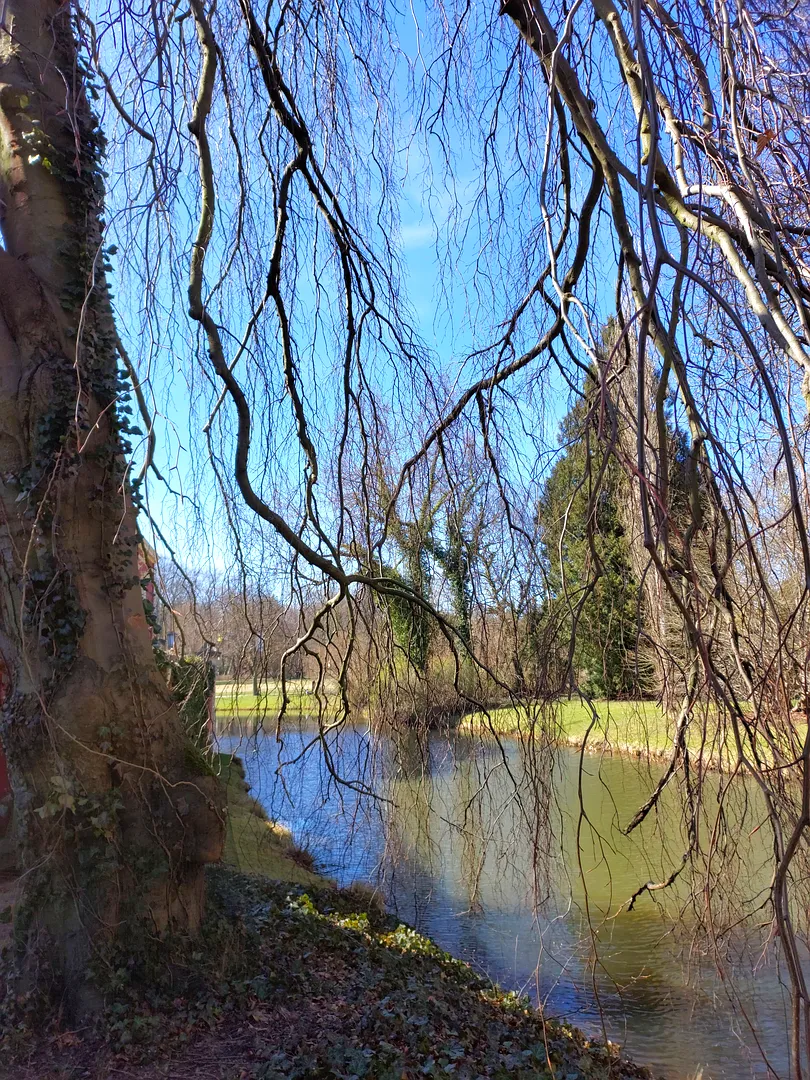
[(254, 844), (237, 700), (635, 727), (630, 727)]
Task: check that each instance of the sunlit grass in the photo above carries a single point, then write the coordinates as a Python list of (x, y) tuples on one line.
[(632, 727), (237, 701), (253, 844), (628, 726)]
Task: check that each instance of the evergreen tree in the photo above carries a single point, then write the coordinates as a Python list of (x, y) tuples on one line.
[(593, 595)]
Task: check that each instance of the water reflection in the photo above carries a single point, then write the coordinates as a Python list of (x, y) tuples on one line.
[(469, 845)]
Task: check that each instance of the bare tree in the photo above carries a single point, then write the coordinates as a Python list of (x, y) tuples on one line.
[(253, 184)]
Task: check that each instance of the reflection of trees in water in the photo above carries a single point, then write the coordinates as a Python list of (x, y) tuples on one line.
[(500, 859), (468, 812), (457, 802), (454, 841), (409, 819)]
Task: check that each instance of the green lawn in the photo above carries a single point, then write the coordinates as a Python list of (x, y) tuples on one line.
[(237, 700), (628, 726), (632, 727)]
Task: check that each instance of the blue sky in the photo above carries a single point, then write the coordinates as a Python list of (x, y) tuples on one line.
[(454, 300)]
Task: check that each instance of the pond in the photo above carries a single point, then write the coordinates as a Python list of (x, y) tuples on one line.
[(514, 858)]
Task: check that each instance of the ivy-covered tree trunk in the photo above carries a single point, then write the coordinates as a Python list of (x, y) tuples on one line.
[(114, 824)]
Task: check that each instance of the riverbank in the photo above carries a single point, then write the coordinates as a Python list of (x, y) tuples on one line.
[(294, 984), (638, 729), (236, 702), (295, 978), (630, 728), (253, 843)]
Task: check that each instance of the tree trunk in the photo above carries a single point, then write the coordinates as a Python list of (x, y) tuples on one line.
[(114, 827)]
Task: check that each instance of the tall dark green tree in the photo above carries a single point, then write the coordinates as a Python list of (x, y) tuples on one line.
[(593, 595)]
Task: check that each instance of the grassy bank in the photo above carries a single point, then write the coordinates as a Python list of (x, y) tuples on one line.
[(294, 978), (637, 728), (255, 845), (629, 727), (236, 701)]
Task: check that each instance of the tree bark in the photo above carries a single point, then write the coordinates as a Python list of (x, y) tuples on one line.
[(114, 827)]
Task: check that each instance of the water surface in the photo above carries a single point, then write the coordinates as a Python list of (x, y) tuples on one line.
[(514, 859)]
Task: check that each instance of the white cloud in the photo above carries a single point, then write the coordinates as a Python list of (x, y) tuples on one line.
[(417, 235)]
